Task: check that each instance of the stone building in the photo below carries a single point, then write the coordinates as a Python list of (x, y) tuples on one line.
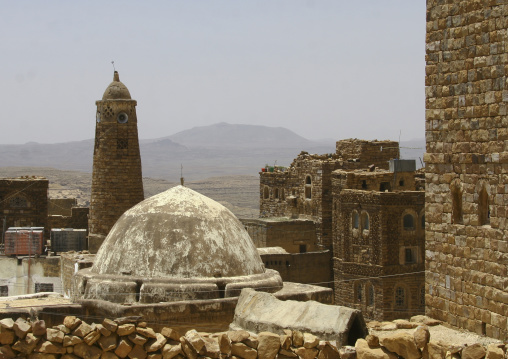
[(379, 242), (24, 202), (116, 180), (368, 208), (304, 189), (466, 165), (295, 236), (65, 213)]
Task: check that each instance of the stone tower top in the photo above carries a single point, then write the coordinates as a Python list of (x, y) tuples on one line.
[(116, 90)]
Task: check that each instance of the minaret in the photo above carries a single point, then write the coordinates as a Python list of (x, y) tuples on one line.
[(116, 181)]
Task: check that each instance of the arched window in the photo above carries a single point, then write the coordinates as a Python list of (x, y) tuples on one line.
[(408, 222), (266, 193), (365, 221), (370, 295), (456, 191), (359, 292), (308, 187), (18, 202), (483, 207), (356, 220), (276, 193), (400, 298)]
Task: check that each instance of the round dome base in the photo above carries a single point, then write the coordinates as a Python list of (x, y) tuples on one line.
[(131, 289)]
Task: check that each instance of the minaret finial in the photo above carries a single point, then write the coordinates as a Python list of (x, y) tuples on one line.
[(181, 174), (116, 77)]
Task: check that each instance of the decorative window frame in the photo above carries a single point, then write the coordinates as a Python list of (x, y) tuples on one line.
[(19, 200), (397, 305)]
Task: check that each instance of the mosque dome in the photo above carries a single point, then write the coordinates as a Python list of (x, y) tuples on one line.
[(178, 233), (116, 90), (177, 245)]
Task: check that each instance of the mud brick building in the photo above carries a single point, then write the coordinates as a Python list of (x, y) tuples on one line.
[(304, 189), (24, 202), (466, 165), (379, 242), (368, 208), (65, 213), (116, 179), (295, 236)]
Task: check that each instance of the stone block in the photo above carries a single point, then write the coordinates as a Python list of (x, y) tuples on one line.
[(243, 351), (170, 351), (21, 328), (108, 343), (125, 329), (269, 345), (71, 322)]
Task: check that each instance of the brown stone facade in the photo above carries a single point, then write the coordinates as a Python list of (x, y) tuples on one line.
[(61, 206), (307, 268), (78, 219), (303, 190), (116, 180), (466, 165), (295, 236), (379, 241), (24, 202)]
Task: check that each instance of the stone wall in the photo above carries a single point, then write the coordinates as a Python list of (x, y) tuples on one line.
[(294, 235), (376, 153), (24, 202), (133, 338), (466, 164), (69, 337), (61, 206), (70, 263), (310, 268), (78, 219), (378, 251)]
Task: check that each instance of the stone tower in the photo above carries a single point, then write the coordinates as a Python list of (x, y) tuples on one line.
[(116, 182)]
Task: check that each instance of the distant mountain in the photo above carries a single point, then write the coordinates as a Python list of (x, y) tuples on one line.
[(225, 135), (75, 155), (216, 150)]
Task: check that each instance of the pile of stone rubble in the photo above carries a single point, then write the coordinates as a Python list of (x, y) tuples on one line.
[(132, 338)]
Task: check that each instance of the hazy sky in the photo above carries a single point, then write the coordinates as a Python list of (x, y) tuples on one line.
[(324, 68)]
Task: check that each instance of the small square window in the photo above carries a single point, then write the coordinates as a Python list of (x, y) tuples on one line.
[(43, 287), (4, 291), (409, 255)]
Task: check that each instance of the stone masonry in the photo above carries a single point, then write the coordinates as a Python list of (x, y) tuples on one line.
[(467, 164), (116, 180), (24, 202), (304, 189)]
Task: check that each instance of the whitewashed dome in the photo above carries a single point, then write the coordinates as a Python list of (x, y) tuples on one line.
[(178, 233), (177, 245)]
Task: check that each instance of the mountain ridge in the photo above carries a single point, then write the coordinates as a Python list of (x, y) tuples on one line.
[(206, 151)]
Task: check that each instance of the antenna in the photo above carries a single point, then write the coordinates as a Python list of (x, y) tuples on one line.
[(400, 134), (181, 174), (113, 63)]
